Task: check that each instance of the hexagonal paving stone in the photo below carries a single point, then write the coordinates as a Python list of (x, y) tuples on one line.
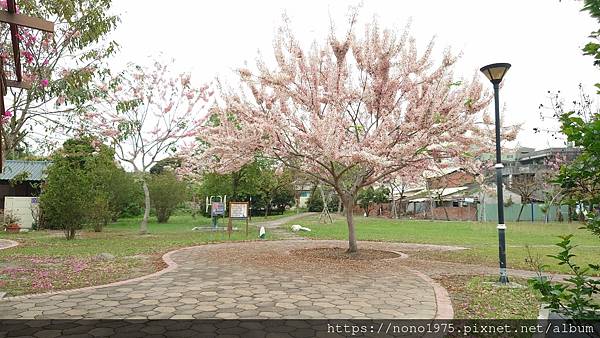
[(210, 283)]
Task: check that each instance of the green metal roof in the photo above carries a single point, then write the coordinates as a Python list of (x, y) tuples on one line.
[(36, 169)]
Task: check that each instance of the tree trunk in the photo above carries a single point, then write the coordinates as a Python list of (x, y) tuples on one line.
[(339, 208), (520, 212), (532, 220), (483, 209), (70, 234), (431, 209), (194, 206), (144, 224), (267, 208), (349, 206), (445, 211)]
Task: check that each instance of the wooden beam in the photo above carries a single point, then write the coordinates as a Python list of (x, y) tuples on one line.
[(27, 21), (18, 84), (14, 36)]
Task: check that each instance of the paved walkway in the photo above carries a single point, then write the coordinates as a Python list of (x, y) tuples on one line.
[(7, 243), (252, 280)]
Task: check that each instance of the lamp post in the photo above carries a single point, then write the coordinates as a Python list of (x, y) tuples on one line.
[(495, 72)]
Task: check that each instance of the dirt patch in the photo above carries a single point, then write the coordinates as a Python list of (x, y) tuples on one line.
[(343, 254), (317, 257)]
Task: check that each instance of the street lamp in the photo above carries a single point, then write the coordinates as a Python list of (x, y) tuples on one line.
[(495, 72)]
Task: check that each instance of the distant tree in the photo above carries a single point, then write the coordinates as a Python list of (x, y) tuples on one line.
[(238, 185), (527, 186), (124, 192), (166, 193), (369, 196), (167, 164), (382, 196), (273, 183), (552, 191), (365, 199), (74, 193)]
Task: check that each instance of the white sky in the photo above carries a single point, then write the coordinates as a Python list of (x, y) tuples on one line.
[(542, 39)]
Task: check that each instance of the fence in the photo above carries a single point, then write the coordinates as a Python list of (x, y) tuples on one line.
[(489, 212)]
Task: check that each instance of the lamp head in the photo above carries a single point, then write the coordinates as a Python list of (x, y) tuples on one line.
[(495, 72)]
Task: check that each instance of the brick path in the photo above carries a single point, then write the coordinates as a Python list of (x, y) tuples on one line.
[(249, 280), (7, 243)]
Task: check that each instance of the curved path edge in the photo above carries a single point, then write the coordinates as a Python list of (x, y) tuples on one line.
[(11, 244), (442, 298), (171, 265), (444, 308)]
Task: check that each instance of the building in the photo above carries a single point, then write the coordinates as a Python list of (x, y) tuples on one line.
[(20, 184), (302, 193), (528, 169), (21, 178), (454, 194), (528, 161)]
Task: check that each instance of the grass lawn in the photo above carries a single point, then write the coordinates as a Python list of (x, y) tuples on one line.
[(475, 297), (46, 261), (273, 217), (480, 238)]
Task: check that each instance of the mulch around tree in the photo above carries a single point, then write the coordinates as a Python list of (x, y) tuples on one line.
[(343, 254)]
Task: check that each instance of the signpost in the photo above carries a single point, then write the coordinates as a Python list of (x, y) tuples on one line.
[(217, 208), (14, 20), (239, 211)]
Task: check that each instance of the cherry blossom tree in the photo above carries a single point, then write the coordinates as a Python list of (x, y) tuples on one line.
[(146, 113), (60, 68), (349, 112)]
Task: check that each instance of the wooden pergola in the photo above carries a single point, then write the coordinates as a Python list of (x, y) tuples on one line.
[(14, 20)]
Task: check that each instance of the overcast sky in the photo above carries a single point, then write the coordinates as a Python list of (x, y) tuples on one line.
[(542, 39)]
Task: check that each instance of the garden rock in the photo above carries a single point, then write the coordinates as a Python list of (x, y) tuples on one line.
[(105, 256)]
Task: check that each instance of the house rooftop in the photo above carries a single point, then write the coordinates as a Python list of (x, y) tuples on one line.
[(547, 152), (439, 172), (35, 169)]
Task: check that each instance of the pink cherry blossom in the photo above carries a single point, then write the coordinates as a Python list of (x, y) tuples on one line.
[(28, 56), (147, 115), (349, 113)]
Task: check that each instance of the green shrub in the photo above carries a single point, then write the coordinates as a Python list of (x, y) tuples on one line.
[(83, 186), (166, 193), (66, 195)]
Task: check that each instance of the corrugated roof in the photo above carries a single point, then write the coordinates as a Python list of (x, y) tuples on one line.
[(36, 169), (435, 193), (439, 172)]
